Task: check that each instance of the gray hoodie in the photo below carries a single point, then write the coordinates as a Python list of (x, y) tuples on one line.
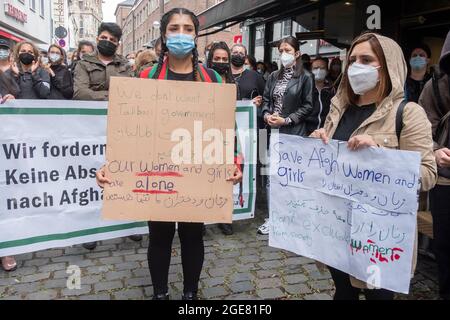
[(429, 102)]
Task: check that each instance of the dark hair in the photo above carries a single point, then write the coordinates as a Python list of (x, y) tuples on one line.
[(273, 66), (223, 46), (81, 44), (294, 43), (320, 58), (164, 23), (239, 45), (158, 42), (422, 46), (385, 80), (112, 28), (252, 62)]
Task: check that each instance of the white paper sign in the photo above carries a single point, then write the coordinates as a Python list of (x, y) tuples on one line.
[(354, 211)]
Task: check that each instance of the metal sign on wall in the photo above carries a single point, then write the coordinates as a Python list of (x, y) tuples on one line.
[(15, 13)]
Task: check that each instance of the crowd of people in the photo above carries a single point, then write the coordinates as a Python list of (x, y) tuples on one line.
[(310, 97)]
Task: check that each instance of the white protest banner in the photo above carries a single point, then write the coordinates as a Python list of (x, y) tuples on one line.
[(49, 152), (354, 211)]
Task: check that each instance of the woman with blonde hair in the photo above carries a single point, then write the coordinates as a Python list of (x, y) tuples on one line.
[(144, 60), (34, 81)]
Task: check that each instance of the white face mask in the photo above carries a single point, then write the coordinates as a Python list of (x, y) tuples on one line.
[(287, 59), (4, 54), (54, 57), (362, 78), (319, 74)]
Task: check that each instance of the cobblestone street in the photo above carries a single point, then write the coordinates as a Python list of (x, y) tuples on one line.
[(241, 266)]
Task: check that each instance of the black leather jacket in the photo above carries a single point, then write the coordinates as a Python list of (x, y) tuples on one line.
[(297, 101)]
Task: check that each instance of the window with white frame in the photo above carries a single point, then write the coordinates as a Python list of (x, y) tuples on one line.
[(42, 9)]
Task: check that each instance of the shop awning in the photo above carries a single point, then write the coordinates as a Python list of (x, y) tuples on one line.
[(10, 36), (235, 11)]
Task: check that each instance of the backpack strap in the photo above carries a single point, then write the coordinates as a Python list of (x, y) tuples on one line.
[(399, 118)]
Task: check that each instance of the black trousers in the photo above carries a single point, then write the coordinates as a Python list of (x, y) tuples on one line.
[(345, 290), (440, 210), (160, 250)]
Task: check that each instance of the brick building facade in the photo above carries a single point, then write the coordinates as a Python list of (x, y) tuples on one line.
[(141, 25)]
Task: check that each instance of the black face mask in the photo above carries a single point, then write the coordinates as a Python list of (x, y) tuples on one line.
[(220, 67), (26, 58), (106, 48), (237, 60)]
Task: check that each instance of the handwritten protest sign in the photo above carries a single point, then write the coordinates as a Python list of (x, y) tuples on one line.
[(354, 211), (170, 150)]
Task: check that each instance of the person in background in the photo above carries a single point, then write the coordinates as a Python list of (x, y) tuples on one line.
[(288, 96), (250, 83), (131, 57), (274, 67), (33, 81), (219, 61), (418, 75), (323, 93), (262, 70), (5, 55), (435, 99), (9, 89), (335, 72), (364, 114), (419, 59), (146, 59), (306, 60), (84, 48), (43, 58), (250, 63), (93, 73), (61, 85)]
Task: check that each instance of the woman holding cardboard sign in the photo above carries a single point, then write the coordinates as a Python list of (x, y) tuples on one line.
[(178, 61), (368, 111)]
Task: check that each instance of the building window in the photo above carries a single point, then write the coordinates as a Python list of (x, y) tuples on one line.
[(81, 29), (259, 42), (42, 9), (33, 5)]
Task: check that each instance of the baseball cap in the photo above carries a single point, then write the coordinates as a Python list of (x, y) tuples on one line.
[(4, 43)]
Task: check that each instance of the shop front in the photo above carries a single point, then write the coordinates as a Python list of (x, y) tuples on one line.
[(327, 27)]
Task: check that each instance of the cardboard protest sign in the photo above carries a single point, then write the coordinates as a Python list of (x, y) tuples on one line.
[(354, 211), (170, 148), (48, 194)]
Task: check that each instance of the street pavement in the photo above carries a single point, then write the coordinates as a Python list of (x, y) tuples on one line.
[(241, 266)]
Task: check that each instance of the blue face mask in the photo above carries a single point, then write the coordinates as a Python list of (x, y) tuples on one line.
[(418, 63), (180, 44), (4, 54)]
